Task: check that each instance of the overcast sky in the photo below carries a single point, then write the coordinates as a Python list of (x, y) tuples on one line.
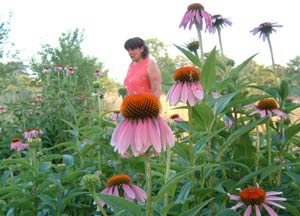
[(108, 24)]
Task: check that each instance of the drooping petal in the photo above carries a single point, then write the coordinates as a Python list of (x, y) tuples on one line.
[(154, 134), (257, 210), (269, 210), (174, 98), (170, 92), (198, 90), (126, 137), (279, 113), (140, 194), (239, 204), (167, 136), (128, 191), (248, 211), (184, 93), (116, 191)]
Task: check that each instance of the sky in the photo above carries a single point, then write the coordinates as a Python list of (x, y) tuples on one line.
[(107, 25)]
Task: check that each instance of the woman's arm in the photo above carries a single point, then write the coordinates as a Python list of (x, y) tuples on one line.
[(155, 78)]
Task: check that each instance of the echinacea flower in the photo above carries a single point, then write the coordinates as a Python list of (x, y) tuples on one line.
[(46, 69), (69, 70), (2, 109), (194, 15), (268, 106), (187, 87), (176, 117), (120, 185), (17, 145), (58, 67), (38, 98), (218, 22), (265, 29), (142, 127), (116, 115), (33, 133), (255, 198), (98, 72)]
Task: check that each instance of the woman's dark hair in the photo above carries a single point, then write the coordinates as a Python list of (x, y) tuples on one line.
[(137, 42)]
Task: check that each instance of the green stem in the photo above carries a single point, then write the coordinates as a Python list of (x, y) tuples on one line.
[(271, 52), (220, 40), (191, 143), (269, 142), (257, 153), (95, 197), (168, 165), (149, 184), (200, 40), (280, 152)]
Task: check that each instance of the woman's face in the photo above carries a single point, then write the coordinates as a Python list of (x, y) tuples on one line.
[(136, 54)]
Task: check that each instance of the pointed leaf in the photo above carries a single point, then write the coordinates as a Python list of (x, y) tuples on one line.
[(120, 204), (208, 74)]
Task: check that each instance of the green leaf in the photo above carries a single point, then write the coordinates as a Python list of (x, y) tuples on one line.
[(284, 90), (120, 204), (192, 57), (195, 210), (228, 212), (221, 103), (236, 134), (241, 66), (208, 74), (291, 131), (202, 116), (174, 180)]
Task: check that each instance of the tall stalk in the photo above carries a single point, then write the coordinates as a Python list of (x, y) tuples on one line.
[(149, 209)]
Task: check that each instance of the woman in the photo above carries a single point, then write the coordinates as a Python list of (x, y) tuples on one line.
[(143, 75)]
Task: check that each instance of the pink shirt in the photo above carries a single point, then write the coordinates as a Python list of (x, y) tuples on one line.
[(137, 80)]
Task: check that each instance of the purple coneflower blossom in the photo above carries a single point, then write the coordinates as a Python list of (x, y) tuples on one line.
[(176, 117), (120, 185), (267, 107), (2, 109), (142, 127), (194, 15), (98, 72), (17, 145), (69, 70), (46, 69), (58, 67), (265, 29), (187, 88), (255, 198), (32, 133), (218, 22)]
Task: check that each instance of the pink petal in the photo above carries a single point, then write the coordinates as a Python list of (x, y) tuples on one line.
[(239, 204), (184, 92), (140, 136), (248, 211), (198, 90), (154, 134), (274, 204), (126, 137), (273, 193), (175, 96), (191, 97), (269, 210), (170, 92), (280, 113), (234, 197), (270, 198), (167, 136), (257, 210), (140, 194), (116, 191), (128, 191)]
